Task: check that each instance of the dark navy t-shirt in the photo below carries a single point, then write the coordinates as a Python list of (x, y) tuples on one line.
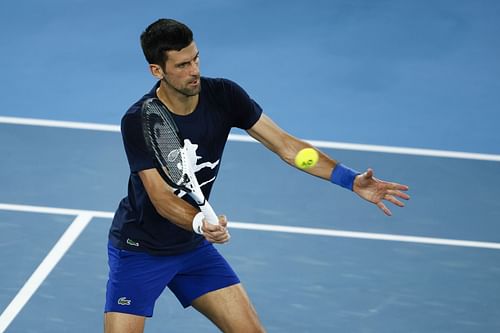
[(137, 226)]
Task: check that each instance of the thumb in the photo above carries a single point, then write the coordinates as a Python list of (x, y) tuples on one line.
[(223, 220), (368, 173)]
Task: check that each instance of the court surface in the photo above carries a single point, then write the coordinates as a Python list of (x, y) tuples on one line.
[(408, 88)]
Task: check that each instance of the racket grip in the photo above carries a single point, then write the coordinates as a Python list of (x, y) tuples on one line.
[(209, 213), (205, 207)]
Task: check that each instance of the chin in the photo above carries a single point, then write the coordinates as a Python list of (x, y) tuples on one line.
[(193, 91)]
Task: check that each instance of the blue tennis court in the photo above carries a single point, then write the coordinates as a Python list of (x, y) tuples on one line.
[(408, 88)]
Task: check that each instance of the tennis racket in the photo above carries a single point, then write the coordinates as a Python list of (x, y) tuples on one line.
[(169, 154)]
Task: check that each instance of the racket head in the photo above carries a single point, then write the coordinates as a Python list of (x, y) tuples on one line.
[(163, 141)]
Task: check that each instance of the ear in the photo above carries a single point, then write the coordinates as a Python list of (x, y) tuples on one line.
[(156, 71)]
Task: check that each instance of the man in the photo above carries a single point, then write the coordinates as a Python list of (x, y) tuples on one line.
[(152, 243)]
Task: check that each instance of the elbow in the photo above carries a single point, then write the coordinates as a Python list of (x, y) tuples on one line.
[(287, 152)]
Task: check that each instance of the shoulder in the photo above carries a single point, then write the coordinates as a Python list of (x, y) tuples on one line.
[(217, 82), (240, 108), (220, 85), (224, 90), (134, 110)]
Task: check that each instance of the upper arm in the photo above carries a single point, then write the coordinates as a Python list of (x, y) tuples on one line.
[(155, 186), (135, 146)]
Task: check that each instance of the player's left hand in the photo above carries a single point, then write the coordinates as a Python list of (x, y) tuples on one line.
[(375, 191)]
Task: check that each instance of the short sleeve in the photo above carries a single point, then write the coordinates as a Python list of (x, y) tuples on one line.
[(244, 110), (135, 146)]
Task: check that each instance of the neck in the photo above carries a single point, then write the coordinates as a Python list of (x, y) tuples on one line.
[(175, 101)]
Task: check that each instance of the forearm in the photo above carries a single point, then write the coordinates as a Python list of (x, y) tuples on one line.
[(325, 168), (322, 169), (166, 203), (287, 146), (175, 210)]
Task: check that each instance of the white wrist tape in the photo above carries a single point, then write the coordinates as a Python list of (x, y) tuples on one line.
[(198, 223)]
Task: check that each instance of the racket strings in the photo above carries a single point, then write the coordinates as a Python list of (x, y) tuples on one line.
[(165, 144)]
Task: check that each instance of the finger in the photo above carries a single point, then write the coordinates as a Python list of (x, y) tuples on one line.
[(399, 194), (215, 235), (209, 227), (225, 239), (211, 237), (402, 195), (215, 230), (395, 201), (384, 209), (218, 238), (400, 187), (218, 241)]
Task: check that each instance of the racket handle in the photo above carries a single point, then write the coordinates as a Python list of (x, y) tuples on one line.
[(209, 213), (205, 208)]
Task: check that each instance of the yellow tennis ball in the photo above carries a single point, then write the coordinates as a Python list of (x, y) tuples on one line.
[(306, 158)]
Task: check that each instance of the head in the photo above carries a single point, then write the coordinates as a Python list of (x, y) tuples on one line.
[(172, 55)]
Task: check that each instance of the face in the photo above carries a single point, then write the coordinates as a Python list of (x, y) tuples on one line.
[(182, 71)]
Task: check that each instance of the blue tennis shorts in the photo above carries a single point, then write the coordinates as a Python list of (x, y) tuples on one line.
[(137, 279)]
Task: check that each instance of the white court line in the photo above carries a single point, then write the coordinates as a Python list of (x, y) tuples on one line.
[(58, 123), (44, 269), (55, 211), (364, 235), (280, 228), (246, 138)]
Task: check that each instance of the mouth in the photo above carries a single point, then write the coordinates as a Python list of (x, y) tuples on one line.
[(194, 82)]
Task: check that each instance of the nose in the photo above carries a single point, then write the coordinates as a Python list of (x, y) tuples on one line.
[(194, 68)]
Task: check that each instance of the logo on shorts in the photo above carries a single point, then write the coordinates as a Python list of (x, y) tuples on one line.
[(124, 301), (131, 242)]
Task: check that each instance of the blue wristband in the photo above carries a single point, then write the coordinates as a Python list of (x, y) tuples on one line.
[(343, 176)]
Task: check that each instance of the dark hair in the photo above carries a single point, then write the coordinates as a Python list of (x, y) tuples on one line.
[(164, 35)]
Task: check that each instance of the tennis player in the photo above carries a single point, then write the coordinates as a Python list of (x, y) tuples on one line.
[(152, 244)]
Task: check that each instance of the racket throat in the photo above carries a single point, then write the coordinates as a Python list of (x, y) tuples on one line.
[(200, 200)]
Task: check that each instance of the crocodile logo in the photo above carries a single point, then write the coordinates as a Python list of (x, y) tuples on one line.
[(131, 242), (124, 301)]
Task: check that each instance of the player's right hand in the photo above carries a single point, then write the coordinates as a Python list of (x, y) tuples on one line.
[(219, 233)]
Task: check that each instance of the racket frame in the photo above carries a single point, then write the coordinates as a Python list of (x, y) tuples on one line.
[(189, 181)]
